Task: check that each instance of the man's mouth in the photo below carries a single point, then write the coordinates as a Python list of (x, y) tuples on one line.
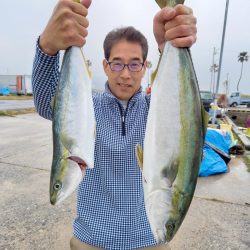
[(124, 85)]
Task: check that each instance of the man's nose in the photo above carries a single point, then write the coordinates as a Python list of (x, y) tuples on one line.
[(125, 73)]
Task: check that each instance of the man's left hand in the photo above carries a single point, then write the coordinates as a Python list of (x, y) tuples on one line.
[(177, 25)]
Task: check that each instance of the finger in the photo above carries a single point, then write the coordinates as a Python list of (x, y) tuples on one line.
[(79, 41), (180, 20), (183, 10), (79, 9), (86, 3), (81, 20), (165, 15), (77, 36), (184, 42), (80, 37), (73, 37), (180, 31), (82, 31)]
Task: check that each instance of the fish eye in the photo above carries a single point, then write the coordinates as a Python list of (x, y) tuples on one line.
[(170, 227), (57, 186)]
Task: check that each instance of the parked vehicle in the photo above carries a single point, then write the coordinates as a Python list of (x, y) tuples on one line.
[(207, 99), (237, 98)]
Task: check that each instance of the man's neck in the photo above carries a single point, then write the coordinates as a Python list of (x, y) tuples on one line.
[(124, 103)]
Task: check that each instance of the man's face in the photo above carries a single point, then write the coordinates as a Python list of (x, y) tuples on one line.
[(125, 83)]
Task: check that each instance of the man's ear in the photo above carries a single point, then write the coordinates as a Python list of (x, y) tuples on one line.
[(105, 65), (145, 67)]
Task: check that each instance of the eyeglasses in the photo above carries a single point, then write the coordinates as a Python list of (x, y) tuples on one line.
[(118, 66)]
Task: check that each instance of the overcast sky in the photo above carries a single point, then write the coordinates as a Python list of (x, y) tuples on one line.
[(22, 21)]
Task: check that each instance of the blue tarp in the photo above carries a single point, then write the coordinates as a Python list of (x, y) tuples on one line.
[(4, 91), (212, 162)]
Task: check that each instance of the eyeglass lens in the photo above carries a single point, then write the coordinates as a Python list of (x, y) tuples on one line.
[(133, 66)]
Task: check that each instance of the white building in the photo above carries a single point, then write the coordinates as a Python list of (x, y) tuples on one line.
[(20, 84)]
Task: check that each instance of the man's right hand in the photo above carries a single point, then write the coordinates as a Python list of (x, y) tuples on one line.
[(66, 27)]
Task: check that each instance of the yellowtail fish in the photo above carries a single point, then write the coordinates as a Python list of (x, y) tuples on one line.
[(173, 142), (73, 126)]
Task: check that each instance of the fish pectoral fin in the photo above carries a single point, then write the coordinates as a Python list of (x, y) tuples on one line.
[(139, 155), (170, 171), (205, 119), (67, 142), (53, 102), (94, 134)]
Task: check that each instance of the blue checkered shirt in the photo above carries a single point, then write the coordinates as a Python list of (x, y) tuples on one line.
[(110, 202)]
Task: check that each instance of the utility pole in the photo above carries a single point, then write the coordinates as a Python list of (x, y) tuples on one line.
[(226, 84), (215, 68), (220, 63), (212, 70)]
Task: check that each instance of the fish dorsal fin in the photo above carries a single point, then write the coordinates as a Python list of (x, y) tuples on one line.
[(86, 64), (169, 3), (153, 76)]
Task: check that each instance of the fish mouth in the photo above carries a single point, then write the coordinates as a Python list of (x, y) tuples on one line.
[(69, 180), (59, 199)]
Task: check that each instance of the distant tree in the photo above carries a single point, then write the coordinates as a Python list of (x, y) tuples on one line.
[(241, 58)]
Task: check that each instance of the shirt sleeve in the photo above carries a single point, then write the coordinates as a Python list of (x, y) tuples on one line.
[(45, 75)]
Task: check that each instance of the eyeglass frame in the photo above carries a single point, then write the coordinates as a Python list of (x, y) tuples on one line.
[(125, 65)]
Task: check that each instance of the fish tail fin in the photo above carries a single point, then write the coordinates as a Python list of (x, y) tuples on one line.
[(86, 64), (169, 3)]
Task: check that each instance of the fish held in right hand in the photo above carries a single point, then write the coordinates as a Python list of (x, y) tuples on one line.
[(73, 126)]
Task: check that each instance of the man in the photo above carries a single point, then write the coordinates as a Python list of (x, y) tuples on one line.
[(110, 203)]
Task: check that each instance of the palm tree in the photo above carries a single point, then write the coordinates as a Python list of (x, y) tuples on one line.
[(241, 58)]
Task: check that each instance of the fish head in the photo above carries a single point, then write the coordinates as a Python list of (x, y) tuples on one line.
[(166, 209), (158, 208), (64, 180), (170, 228)]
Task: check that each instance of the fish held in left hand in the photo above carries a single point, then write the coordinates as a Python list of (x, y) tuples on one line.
[(73, 126), (174, 139)]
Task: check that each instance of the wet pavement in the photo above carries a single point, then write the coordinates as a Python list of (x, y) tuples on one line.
[(231, 187), (218, 218), (16, 104)]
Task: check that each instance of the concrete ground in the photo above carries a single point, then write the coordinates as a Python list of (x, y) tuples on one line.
[(16, 104), (219, 216)]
